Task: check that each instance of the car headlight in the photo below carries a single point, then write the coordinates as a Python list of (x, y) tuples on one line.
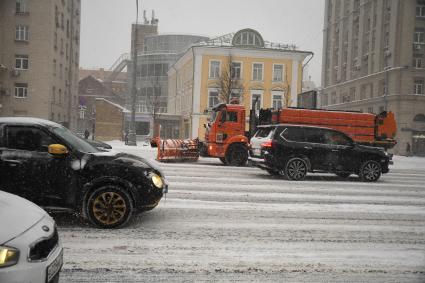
[(8, 256), (157, 180)]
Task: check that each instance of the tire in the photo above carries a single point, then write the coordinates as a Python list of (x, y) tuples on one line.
[(370, 171), (223, 160), (296, 169), (236, 155), (109, 206), (343, 175)]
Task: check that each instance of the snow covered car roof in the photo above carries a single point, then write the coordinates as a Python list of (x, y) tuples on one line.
[(28, 120)]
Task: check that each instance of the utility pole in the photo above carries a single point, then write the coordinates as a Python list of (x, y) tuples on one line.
[(132, 140)]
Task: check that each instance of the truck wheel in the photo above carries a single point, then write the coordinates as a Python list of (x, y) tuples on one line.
[(109, 206), (296, 169), (236, 155), (370, 171), (223, 160)]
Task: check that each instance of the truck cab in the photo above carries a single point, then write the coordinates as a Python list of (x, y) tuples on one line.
[(225, 135)]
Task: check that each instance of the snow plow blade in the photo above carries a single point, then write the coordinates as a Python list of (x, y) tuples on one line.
[(177, 150)]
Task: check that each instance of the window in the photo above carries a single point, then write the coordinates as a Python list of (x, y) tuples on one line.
[(236, 70), (314, 135), (54, 67), (21, 6), (212, 98), (53, 95), (21, 90), (60, 71), (83, 110), (417, 62), (235, 95), (257, 95), (277, 73), (293, 134), (277, 101), (214, 69), (419, 86), (21, 62), (28, 138), (257, 72), (55, 41), (370, 109), (61, 46), (230, 116), (420, 10), (21, 33), (418, 37), (335, 138)]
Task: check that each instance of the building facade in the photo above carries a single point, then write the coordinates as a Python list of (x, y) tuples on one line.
[(90, 89), (269, 72), (156, 53), (39, 59), (373, 61)]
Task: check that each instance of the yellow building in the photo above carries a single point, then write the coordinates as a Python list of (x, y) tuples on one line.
[(269, 72)]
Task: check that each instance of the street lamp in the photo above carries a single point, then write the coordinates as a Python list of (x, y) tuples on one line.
[(132, 131)]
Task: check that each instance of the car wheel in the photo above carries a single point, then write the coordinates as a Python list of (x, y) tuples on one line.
[(236, 155), (370, 171), (343, 175), (296, 169), (223, 160), (109, 206)]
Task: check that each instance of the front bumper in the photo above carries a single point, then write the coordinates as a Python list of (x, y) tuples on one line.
[(33, 271)]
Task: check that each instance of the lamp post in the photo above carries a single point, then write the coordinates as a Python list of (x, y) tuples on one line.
[(132, 131)]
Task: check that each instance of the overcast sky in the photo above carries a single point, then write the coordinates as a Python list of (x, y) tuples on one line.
[(106, 24)]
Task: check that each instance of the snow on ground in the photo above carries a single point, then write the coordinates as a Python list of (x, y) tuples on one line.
[(240, 224)]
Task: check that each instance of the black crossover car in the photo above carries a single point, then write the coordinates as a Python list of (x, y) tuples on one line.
[(49, 165), (295, 150)]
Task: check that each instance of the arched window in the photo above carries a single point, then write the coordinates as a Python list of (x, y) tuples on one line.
[(419, 118), (248, 37)]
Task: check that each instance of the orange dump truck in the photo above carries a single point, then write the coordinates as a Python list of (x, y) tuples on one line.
[(364, 128), (227, 139)]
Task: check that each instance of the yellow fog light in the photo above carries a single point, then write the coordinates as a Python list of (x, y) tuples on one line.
[(157, 180), (8, 256)]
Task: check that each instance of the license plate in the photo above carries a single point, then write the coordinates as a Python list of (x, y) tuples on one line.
[(55, 266)]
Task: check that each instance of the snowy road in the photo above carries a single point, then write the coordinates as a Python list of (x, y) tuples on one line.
[(239, 224)]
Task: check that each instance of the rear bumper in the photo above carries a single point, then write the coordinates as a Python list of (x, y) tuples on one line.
[(259, 162)]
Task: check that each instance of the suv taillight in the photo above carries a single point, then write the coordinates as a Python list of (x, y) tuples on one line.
[(267, 144)]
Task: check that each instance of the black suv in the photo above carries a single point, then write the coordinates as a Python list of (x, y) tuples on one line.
[(296, 150), (49, 165)]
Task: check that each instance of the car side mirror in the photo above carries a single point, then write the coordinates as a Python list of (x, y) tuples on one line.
[(57, 150)]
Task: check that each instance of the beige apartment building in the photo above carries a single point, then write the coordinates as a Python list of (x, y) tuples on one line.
[(39, 55), (263, 71), (373, 60)]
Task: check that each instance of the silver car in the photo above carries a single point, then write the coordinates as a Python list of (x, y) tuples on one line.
[(30, 249), (264, 134)]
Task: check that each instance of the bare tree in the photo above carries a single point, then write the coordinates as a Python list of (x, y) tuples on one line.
[(154, 104), (230, 81)]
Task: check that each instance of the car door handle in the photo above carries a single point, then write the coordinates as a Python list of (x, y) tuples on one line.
[(335, 150), (12, 162), (308, 147)]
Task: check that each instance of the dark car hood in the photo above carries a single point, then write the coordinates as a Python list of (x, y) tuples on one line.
[(117, 157)]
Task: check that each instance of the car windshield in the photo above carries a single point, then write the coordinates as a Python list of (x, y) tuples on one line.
[(75, 141)]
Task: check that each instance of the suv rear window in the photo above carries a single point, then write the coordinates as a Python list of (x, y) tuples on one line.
[(263, 132)]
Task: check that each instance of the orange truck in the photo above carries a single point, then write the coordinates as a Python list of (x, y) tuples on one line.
[(226, 138)]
